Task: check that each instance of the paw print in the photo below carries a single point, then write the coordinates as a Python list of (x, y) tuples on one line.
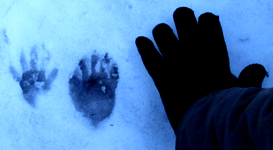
[(33, 81), (93, 93)]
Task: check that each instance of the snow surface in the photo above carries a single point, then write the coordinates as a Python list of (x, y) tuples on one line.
[(72, 29)]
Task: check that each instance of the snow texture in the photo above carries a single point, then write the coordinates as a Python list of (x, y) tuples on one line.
[(64, 32)]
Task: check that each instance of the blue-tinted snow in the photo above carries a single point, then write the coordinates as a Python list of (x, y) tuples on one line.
[(72, 29)]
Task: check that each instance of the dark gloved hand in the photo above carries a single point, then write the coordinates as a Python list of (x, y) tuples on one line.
[(192, 66)]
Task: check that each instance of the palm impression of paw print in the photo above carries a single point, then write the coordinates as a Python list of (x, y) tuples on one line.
[(92, 87)]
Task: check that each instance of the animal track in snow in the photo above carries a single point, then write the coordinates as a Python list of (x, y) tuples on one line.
[(93, 90), (33, 80)]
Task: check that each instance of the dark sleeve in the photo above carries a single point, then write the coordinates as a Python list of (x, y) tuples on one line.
[(231, 119)]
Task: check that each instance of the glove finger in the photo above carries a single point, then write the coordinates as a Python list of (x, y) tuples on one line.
[(187, 30), (186, 26), (212, 41), (214, 54), (252, 76), (152, 60), (166, 41), (154, 63)]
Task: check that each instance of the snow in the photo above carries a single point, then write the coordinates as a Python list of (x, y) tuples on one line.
[(72, 29)]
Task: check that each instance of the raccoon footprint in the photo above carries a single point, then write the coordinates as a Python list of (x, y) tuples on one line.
[(93, 91), (33, 80)]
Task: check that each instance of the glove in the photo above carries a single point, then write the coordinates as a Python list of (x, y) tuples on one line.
[(192, 66)]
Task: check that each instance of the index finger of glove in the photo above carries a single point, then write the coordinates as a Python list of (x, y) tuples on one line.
[(212, 41)]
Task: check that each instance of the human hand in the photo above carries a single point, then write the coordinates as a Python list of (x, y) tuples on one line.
[(191, 66)]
